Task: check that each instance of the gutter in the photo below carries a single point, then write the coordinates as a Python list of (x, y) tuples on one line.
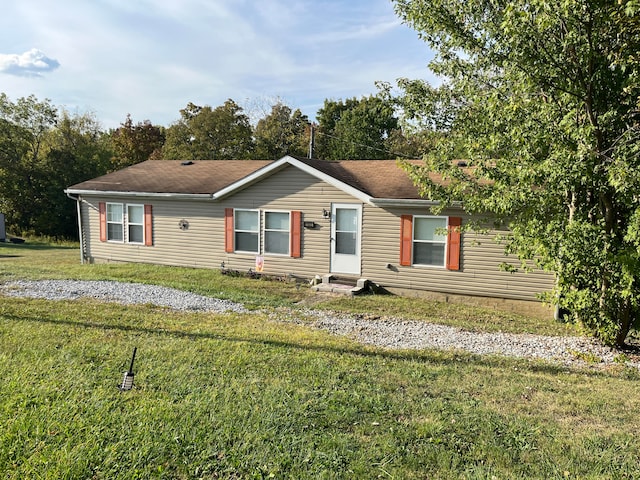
[(102, 193), (402, 202), (81, 235)]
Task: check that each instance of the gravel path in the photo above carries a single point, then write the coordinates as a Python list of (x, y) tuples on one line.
[(388, 332), (127, 293)]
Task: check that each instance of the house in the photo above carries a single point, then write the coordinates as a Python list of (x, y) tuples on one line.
[(298, 217)]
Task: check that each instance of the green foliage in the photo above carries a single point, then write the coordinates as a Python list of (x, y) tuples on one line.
[(133, 144), (355, 129), (282, 132), (41, 153), (541, 98), (205, 133)]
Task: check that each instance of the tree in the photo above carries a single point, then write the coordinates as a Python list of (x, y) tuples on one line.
[(203, 133), (41, 153), (23, 126), (76, 150), (542, 98), (282, 132), (133, 144), (355, 129)]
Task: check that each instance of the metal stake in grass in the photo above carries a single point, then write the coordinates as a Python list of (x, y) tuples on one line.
[(127, 381)]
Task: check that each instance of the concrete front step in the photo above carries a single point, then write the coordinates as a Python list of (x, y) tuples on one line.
[(332, 284)]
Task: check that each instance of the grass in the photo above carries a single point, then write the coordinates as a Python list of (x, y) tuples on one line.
[(45, 261), (241, 396)]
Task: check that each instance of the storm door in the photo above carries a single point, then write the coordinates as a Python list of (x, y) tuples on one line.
[(346, 222)]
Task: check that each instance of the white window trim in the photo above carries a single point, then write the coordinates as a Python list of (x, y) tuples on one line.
[(121, 222), (127, 223), (235, 230), (262, 222), (264, 234), (413, 242)]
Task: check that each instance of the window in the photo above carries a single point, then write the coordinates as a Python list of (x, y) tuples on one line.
[(138, 220), (422, 243), (429, 244), (247, 230), (115, 222), (135, 223), (276, 233), (282, 232)]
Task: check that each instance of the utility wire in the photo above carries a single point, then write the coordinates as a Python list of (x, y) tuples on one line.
[(363, 145)]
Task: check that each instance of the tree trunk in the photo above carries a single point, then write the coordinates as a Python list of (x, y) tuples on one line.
[(624, 321)]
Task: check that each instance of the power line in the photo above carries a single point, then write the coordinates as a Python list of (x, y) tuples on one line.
[(342, 140)]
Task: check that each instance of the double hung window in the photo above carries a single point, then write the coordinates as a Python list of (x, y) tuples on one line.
[(135, 223), (247, 230), (263, 232), (276, 233), (429, 241), (123, 223), (115, 222)]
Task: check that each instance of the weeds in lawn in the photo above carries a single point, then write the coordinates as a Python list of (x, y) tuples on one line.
[(240, 396)]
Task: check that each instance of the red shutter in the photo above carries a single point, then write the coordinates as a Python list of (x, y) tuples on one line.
[(148, 226), (228, 230), (102, 207), (296, 234), (453, 243), (406, 239)]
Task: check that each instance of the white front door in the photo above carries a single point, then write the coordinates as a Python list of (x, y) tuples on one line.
[(346, 220)]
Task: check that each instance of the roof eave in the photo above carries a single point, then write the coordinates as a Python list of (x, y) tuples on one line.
[(102, 193), (408, 202)]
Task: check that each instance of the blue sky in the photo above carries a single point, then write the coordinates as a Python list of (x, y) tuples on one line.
[(149, 58)]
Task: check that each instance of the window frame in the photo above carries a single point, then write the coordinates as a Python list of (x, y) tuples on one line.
[(444, 241), (236, 230), (264, 231), (129, 223), (110, 222)]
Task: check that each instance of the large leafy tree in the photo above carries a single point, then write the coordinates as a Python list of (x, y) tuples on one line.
[(282, 132), (42, 152), (355, 129), (133, 144), (205, 133), (77, 149), (23, 128), (542, 98)]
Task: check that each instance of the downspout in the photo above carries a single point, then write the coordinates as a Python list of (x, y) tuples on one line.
[(80, 236)]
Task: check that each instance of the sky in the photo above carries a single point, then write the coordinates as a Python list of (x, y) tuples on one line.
[(150, 58)]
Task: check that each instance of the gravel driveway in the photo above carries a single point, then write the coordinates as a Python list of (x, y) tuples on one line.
[(387, 333)]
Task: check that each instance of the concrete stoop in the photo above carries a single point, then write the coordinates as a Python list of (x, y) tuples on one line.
[(342, 286)]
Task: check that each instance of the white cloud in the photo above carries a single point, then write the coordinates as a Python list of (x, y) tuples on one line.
[(28, 64), (150, 58)]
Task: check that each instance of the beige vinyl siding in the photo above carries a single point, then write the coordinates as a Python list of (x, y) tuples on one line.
[(291, 189), (202, 244), (197, 246), (480, 257)]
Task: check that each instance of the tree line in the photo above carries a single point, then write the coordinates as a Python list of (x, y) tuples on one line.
[(44, 149)]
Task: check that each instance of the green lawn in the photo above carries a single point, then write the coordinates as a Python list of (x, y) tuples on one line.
[(241, 396)]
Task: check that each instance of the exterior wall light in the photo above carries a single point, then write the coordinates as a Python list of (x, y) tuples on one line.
[(326, 213)]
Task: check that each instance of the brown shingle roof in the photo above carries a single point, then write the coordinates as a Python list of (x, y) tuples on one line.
[(174, 176), (375, 178)]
